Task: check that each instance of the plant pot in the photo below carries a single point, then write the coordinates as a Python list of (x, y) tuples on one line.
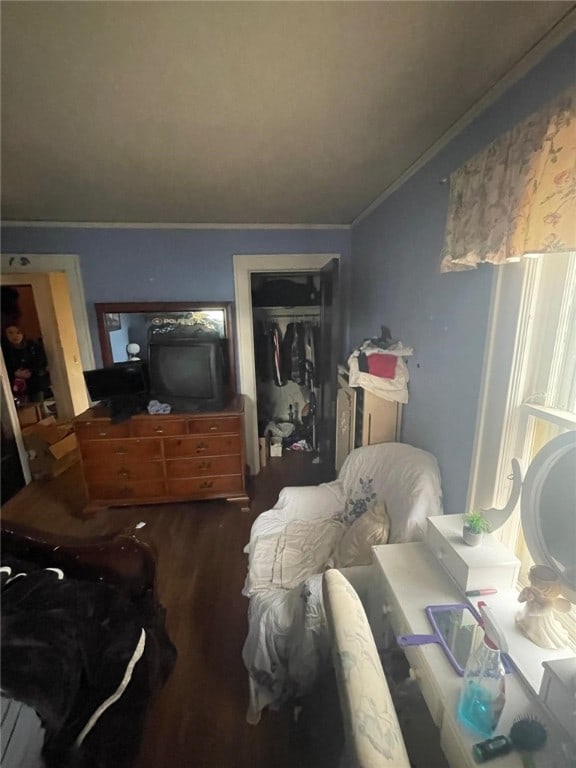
[(471, 538)]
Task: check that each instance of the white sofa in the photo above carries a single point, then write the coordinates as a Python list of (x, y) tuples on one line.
[(294, 542)]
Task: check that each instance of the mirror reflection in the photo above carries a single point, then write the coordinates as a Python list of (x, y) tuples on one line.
[(128, 332), (124, 327), (558, 516), (459, 631)]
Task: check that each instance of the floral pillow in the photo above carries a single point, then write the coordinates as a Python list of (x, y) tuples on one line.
[(368, 530), (359, 501)]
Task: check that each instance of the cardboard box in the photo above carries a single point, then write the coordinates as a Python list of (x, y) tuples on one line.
[(51, 447), (276, 446), (29, 414)]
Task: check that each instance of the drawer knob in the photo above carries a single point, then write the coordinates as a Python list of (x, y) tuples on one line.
[(123, 473), (207, 484), (201, 448), (205, 465), (214, 428), (121, 449), (159, 430), (102, 434)]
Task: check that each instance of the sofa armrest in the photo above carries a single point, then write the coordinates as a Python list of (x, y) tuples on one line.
[(305, 502)]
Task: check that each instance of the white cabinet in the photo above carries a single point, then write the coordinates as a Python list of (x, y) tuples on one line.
[(363, 418)]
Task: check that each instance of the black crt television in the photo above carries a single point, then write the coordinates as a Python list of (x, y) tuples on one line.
[(123, 387), (187, 371)]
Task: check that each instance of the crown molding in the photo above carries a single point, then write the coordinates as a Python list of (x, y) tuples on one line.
[(161, 225)]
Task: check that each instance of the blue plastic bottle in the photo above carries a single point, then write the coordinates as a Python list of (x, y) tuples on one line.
[(484, 685)]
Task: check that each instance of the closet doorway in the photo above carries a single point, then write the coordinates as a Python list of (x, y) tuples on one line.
[(309, 306)]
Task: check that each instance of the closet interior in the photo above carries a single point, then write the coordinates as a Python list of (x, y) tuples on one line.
[(286, 321)]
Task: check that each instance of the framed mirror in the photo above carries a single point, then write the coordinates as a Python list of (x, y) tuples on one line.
[(548, 509), (123, 324)]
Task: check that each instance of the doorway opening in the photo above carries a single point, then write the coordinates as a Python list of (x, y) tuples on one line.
[(42, 373), (24, 355), (286, 312), (281, 266)]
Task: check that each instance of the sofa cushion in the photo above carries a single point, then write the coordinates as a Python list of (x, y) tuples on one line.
[(370, 529)]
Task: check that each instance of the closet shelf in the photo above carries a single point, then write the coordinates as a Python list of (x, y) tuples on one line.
[(311, 311)]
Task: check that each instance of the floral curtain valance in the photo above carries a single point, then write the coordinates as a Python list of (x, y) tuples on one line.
[(517, 196)]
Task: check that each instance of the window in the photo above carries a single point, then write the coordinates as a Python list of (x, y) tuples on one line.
[(529, 392)]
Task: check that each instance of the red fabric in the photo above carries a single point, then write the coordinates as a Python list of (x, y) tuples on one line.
[(383, 366)]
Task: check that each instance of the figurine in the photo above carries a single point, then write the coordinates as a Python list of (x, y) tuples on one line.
[(536, 618)]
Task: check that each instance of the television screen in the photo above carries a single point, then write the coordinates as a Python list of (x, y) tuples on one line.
[(119, 380), (187, 373)]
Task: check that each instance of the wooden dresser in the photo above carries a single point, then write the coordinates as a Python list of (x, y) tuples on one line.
[(163, 458)]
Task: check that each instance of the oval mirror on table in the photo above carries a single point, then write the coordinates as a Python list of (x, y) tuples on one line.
[(548, 509)]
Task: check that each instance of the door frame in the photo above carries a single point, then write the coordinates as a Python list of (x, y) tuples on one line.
[(13, 419), (27, 268), (70, 264), (245, 265)]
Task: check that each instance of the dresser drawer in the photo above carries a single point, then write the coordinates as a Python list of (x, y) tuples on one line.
[(121, 490), (206, 486), (471, 567), (202, 446), (114, 450), (96, 472), (154, 428), (216, 426), (101, 430), (212, 465)]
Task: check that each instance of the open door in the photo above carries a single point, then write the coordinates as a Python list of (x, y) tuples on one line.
[(329, 358)]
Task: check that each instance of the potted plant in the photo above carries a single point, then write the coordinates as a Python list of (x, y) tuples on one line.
[(474, 525)]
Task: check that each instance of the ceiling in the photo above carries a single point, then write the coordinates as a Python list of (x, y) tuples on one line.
[(240, 112)]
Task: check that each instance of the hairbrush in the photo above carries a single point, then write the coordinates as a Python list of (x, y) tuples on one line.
[(527, 735)]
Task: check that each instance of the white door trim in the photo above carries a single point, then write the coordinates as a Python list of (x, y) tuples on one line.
[(70, 264), (13, 418), (244, 267)]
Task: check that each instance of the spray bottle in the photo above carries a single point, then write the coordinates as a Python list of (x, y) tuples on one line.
[(483, 690)]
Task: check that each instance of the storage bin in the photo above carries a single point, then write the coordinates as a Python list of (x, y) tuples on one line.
[(490, 564)]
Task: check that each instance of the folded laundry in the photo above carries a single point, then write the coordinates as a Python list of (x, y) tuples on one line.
[(383, 366), (390, 387)]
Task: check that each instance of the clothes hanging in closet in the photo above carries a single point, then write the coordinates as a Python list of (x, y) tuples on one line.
[(294, 353), (291, 357), (267, 352)]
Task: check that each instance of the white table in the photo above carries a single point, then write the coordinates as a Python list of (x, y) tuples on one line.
[(407, 578)]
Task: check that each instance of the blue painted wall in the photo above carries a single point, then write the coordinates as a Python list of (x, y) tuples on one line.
[(166, 264), (396, 282)]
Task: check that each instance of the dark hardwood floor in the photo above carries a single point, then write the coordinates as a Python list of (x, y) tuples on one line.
[(198, 719)]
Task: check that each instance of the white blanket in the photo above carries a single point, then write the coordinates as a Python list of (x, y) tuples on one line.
[(287, 644), (286, 558)]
